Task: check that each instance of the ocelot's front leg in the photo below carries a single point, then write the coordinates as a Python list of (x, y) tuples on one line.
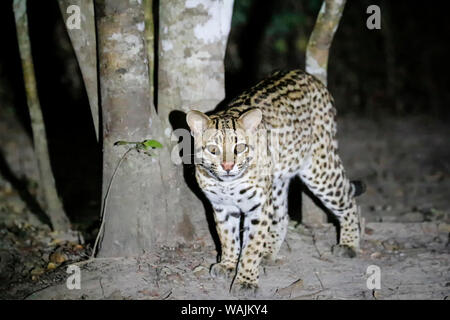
[(227, 225), (279, 220), (256, 234)]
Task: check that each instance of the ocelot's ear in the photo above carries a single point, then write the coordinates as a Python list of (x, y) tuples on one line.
[(197, 121), (250, 119)]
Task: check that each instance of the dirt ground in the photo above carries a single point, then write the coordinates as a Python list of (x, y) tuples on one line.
[(413, 264), (405, 165)]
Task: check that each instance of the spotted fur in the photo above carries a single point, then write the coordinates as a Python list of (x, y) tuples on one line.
[(282, 127)]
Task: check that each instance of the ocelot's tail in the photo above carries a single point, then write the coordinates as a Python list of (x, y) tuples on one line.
[(358, 187)]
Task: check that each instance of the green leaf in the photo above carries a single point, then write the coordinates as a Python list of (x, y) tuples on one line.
[(152, 144)]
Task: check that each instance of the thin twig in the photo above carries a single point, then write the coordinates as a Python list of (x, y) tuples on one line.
[(105, 202)]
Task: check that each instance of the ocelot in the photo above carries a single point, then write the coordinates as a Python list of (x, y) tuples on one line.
[(282, 127)]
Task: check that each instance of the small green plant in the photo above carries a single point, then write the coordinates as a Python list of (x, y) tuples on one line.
[(140, 146)]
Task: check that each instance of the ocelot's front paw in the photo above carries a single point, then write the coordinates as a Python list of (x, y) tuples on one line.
[(222, 271), (244, 289), (342, 250)]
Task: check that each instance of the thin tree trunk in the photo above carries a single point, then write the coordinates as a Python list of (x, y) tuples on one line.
[(321, 37), (53, 204), (85, 47), (317, 53)]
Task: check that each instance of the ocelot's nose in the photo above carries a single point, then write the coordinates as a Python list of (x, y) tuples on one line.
[(227, 166)]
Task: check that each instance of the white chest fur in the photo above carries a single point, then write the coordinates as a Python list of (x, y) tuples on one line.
[(239, 193)]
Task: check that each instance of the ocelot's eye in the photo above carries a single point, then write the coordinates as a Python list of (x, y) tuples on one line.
[(240, 147), (213, 149)]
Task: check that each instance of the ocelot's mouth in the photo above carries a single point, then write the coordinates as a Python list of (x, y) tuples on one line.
[(223, 176), (232, 176)]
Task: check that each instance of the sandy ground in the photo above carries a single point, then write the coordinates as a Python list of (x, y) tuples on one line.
[(413, 259), (405, 165)]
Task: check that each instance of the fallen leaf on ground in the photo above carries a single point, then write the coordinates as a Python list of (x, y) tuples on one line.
[(51, 266), (57, 257)]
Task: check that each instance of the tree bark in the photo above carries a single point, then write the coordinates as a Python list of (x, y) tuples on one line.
[(85, 47), (192, 41), (53, 205), (317, 53), (126, 115), (191, 75), (321, 37), (150, 41)]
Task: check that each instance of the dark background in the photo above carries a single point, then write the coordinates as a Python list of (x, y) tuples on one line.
[(393, 73)]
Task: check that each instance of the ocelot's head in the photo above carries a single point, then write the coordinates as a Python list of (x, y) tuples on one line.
[(224, 144)]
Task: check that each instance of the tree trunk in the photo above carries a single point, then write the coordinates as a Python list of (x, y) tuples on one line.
[(149, 204), (192, 43), (84, 44), (317, 53), (53, 205), (126, 114), (321, 37)]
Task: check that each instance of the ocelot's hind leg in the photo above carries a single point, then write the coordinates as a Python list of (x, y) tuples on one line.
[(325, 177)]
